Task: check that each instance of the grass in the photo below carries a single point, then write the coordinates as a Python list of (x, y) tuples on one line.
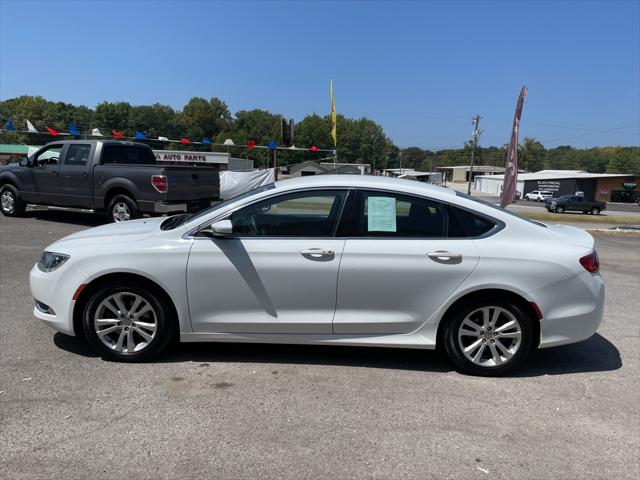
[(581, 218)]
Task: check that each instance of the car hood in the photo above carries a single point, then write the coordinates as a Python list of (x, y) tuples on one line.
[(572, 235), (123, 232)]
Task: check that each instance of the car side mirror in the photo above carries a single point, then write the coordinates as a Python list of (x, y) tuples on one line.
[(221, 228)]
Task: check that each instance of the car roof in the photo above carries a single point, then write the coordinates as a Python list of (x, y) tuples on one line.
[(365, 181)]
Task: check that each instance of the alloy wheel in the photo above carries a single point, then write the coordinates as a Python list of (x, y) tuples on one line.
[(120, 212), (7, 201), (125, 322), (490, 336)]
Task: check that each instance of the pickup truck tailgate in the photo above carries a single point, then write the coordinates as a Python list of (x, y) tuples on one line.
[(192, 183)]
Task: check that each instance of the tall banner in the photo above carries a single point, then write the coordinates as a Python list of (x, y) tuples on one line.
[(511, 172), (334, 118)]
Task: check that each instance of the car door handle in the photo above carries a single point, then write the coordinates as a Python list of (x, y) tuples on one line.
[(54, 173), (442, 256), (317, 253), (84, 175)]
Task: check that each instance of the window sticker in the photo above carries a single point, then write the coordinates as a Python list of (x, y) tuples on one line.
[(381, 214)]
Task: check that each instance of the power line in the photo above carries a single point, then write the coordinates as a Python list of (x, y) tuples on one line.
[(588, 134)]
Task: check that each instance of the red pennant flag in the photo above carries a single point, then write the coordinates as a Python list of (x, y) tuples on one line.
[(313, 148), (51, 131), (251, 144), (185, 140), (117, 134)]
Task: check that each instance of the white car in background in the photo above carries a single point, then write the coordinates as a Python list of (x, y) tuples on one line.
[(340, 260), (538, 195)]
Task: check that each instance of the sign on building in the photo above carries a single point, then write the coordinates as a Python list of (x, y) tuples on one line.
[(191, 157)]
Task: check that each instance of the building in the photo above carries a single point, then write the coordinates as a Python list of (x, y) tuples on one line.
[(460, 173), (605, 187), (411, 174), (310, 167), (12, 153)]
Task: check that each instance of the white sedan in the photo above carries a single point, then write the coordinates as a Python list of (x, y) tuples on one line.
[(341, 260)]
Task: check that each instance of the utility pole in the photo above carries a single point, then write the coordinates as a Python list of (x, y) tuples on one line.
[(476, 134), (373, 172)]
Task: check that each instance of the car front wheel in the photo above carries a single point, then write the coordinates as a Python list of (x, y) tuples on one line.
[(127, 322), (559, 209), (595, 211), (489, 338), (11, 204)]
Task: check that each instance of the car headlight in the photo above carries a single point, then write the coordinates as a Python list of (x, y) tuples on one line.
[(50, 261)]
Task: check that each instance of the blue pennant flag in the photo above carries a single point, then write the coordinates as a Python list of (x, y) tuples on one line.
[(140, 136), (272, 145), (206, 141), (73, 130), (9, 126)]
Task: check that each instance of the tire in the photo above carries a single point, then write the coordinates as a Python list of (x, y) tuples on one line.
[(122, 208), (10, 203), (131, 337), (595, 211), (559, 209), (516, 343)]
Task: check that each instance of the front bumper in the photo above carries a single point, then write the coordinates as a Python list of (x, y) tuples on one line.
[(55, 291), (572, 309)]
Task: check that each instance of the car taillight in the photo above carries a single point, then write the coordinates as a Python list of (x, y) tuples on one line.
[(590, 262), (160, 183)]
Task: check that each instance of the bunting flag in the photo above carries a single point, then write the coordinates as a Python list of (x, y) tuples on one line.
[(9, 126), (31, 128), (334, 118), (117, 134), (272, 145), (206, 141), (140, 136), (51, 131), (73, 130), (163, 139), (313, 148), (511, 171), (251, 144), (185, 141), (96, 133)]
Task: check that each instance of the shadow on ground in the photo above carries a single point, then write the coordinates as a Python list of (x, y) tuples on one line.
[(73, 218), (594, 355)]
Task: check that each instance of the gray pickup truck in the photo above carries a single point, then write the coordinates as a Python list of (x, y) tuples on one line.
[(122, 179)]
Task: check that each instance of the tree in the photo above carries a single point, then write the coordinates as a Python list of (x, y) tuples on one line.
[(113, 116), (625, 160), (532, 155), (201, 118)]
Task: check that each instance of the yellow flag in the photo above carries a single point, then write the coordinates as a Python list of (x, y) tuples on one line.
[(334, 118)]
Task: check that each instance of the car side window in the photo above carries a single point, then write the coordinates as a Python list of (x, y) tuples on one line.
[(302, 214), (77, 154), (386, 214), (50, 156)]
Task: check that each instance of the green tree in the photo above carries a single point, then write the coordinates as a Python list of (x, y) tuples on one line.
[(531, 155)]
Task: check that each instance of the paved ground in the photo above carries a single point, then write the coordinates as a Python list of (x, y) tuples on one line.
[(246, 411)]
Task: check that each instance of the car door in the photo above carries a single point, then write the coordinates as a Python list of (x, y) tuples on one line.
[(276, 273), (401, 264), (75, 178), (45, 173)]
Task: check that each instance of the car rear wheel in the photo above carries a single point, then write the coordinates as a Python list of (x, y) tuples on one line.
[(595, 211), (559, 209), (489, 338), (123, 208), (127, 322), (10, 203)]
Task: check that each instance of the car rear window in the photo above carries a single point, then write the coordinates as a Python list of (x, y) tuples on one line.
[(503, 210), (127, 155)]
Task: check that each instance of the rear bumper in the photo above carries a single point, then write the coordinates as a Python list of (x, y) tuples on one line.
[(572, 309), (160, 207)]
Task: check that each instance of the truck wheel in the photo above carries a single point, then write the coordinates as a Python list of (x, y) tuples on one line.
[(10, 202), (559, 209), (595, 211), (123, 208)]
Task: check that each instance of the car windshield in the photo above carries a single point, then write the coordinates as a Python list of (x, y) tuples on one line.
[(177, 220), (504, 210)]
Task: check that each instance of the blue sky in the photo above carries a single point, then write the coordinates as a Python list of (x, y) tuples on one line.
[(420, 69)]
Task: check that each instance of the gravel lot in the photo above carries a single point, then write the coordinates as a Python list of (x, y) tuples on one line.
[(262, 411)]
